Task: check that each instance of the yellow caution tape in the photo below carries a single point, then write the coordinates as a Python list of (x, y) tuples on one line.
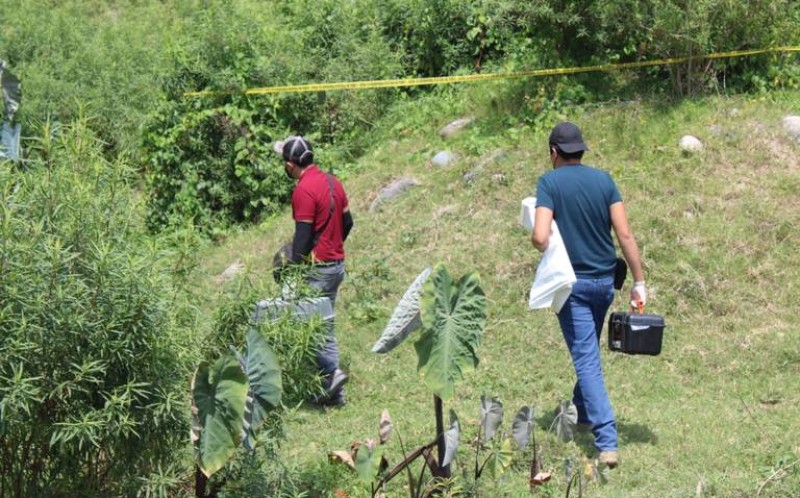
[(471, 78)]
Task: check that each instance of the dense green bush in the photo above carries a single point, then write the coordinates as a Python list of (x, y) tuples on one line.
[(584, 32), (209, 159), (96, 346), (294, 342), (212, 165)]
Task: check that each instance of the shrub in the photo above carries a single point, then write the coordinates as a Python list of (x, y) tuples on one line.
[(212, 165), (294, 342), (95, 365)]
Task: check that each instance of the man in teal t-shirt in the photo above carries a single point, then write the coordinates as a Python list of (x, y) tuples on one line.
[(586, 204)]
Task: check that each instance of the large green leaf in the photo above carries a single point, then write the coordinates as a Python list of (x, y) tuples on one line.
[(491, 416), (260, 364), (218, 399), (405, 318), (453, 317)]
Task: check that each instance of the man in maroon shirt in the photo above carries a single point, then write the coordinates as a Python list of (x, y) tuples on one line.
[(322, 223)]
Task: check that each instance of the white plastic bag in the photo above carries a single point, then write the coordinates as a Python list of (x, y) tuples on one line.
[(554, 277)]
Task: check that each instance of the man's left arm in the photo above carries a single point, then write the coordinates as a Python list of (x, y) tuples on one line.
[(540, 237), (347, 224), (303, 211), (303, 241)]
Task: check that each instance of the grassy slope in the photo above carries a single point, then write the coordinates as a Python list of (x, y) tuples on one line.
[(711, 416)]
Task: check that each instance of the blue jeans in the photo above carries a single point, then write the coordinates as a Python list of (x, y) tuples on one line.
[(326, 279), (581, 321)]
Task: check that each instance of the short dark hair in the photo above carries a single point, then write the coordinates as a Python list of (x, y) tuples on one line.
[(569, 156)]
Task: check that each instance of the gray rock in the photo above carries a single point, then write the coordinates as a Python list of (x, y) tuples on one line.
[(689, 143), (443, 158), (456, 126), (392, 190), (792, 126), (500, 179)]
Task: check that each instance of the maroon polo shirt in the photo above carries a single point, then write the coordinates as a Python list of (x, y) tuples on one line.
[(311, 202)]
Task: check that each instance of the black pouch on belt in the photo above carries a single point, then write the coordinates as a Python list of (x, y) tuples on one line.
[(620, 272)]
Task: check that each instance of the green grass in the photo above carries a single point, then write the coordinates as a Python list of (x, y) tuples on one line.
[(713, 416)]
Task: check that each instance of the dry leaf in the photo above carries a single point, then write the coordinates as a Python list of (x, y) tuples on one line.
[(541, 478), (385, 427), (342, 456)]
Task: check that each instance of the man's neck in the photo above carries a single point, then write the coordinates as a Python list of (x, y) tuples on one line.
[(563, 162)]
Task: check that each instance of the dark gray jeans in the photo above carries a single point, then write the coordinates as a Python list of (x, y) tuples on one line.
[(326, 279)]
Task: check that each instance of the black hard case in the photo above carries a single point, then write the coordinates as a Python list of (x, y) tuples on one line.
[(635, 333)]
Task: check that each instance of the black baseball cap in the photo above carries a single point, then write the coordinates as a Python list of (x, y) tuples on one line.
[(295, 149), (567, 137)]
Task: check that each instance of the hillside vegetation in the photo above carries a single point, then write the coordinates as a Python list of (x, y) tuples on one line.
[(715, 414), (138, 225)]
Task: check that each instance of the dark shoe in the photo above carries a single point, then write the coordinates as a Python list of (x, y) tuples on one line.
[(334, 390), (338, 379), (337, 401)]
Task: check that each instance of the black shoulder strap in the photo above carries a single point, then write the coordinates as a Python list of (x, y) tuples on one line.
[(331, 209)]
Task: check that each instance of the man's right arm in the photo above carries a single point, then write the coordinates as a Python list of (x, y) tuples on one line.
[(630, 249)]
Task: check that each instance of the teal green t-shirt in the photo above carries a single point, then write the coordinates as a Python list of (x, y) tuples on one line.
[(580, 197)]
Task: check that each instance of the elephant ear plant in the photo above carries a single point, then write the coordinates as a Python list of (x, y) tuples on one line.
[(229, 402), (452, 316)]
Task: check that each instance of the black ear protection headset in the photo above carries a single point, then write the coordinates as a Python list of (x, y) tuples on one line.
[(299, 152)]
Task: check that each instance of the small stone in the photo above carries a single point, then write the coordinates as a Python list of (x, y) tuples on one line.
[(689, 143), (443, 158), (455, 127), (393, 190), (499, 178), (792, 126)]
